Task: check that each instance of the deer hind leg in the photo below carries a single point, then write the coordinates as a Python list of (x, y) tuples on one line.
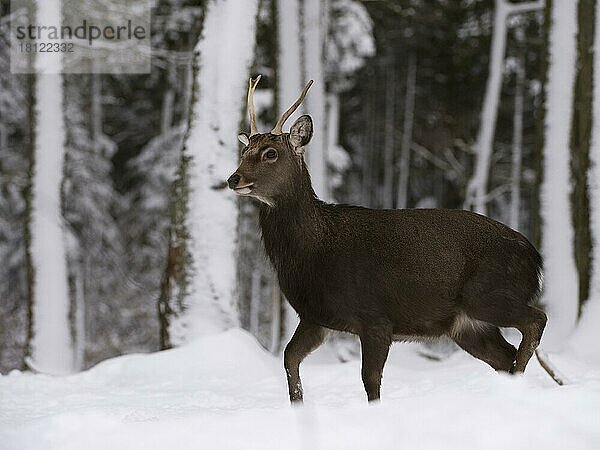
[(532, 334), (306, 338), (375, 345), (484, 342), (504, 310)]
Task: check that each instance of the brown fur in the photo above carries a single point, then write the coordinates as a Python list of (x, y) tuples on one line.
[(422, 273)]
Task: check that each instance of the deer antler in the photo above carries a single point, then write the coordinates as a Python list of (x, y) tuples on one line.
[(278, 126), (251, 88)]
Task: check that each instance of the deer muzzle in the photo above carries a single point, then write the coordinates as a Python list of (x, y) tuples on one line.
[(240, 187)]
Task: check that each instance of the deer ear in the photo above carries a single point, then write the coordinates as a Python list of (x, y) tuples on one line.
[(243, 138), (301, 132)]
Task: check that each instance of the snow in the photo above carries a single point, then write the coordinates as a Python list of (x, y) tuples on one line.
[(561, 287), (224, 391)]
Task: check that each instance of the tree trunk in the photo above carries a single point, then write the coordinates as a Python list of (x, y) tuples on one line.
[(517, 146), (166, 119), (589, 329), (199, 287), (313, 28), (255, 293), (540, 132), (50, 346), (580, 145), (290, 82), (389, 142), (96, 109), (369, 149), (275, 316), (407, 130), (560, 275), (78, 314)]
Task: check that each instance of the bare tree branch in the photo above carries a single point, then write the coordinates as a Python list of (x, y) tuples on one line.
[(547, 366)]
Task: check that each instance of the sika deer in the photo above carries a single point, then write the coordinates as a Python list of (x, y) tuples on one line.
[(385, 275)]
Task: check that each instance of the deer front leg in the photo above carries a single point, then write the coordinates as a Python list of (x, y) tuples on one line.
[(306, 338), (375, 345)]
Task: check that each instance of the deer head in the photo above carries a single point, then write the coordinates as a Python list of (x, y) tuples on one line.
[(272, 163)]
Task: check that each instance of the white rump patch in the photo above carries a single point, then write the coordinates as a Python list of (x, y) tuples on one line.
[(463, 323)]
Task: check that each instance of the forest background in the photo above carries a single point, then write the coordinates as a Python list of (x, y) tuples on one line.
[(476, 104)]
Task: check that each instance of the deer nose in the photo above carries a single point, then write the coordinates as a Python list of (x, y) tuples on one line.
[(233, 180)]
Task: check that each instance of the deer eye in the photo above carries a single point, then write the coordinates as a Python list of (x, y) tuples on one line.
[(270, 155)]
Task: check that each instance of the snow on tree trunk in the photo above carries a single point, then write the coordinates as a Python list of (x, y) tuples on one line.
[(51, 344), (588, 331), (224, 55), (313, 26), (407, 130), (290, 84), (560, 275)]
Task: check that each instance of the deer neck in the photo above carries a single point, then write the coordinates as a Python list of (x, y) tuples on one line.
[(295, 226)]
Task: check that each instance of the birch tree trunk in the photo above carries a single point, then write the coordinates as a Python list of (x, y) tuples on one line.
[(50, 346), (560, 275), (199, 290)]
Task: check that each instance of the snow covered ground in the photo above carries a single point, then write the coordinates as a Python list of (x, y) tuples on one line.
[(224, 392)]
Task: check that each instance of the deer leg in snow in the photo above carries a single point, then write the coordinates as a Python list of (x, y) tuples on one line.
[(375, 345), (487, 344), (306, 338), (505, 310), (532, 334)]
